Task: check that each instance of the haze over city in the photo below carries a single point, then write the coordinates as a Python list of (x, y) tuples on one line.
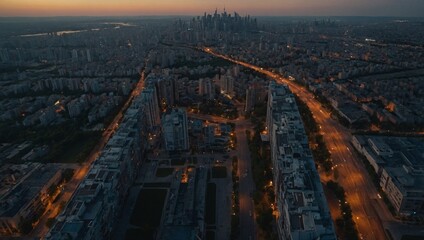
[(212, 120), (404, 8)]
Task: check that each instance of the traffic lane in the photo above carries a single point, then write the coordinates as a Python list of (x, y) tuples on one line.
[(335, 137), (304, 95), (246, 185), (358, 192), (41, 229)]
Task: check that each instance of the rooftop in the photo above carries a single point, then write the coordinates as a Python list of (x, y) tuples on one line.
[(27, 190)]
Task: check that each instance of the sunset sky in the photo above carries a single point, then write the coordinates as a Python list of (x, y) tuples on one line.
[(196, 7)]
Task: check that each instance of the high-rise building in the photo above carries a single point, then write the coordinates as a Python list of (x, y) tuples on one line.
[(102, 193), (166, 89), (276, 93), (255, 93), (303, 210), (206, 88), (175, 130), (227, 84), (150, 100)]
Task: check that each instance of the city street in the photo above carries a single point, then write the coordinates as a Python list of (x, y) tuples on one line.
[(206, 120), (352, 174), (246, 184), (53, 210)]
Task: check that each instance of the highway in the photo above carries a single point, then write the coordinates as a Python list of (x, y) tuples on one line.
[(360, 191), (53, 209)]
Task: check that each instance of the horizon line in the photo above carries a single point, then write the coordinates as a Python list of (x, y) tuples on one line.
[(189, 15)]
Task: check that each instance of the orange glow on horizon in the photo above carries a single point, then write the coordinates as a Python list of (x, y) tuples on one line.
[(94, 8), (44, 8), (138, 7)]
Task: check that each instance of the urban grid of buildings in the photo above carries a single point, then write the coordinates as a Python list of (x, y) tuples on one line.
[(371, 81)]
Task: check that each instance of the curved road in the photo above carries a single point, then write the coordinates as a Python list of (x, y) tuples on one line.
[(360, 192)]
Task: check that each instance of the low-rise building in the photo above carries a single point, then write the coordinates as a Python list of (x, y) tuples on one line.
[(92, 211), (26, 201), (399, 164)]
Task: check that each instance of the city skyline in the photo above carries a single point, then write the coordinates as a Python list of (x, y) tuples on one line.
[(216, 126), (44, 8)]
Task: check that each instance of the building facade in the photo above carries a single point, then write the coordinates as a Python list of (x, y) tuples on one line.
[(303, 212), (399, 164)]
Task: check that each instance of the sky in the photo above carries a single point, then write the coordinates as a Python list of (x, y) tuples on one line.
[(404, 8)]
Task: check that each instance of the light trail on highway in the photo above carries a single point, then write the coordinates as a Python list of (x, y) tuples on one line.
[(360, 191)]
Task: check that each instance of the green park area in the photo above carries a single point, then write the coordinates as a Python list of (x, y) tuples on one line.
[(67, 143)]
